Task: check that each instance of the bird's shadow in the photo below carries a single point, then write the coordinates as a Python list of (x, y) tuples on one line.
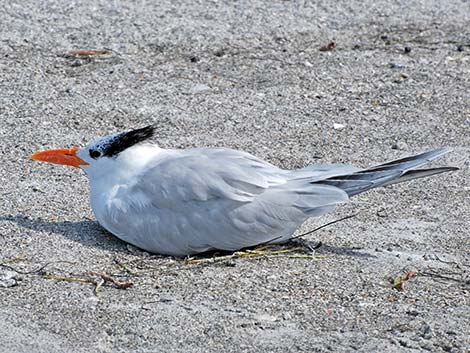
[(87, 232)]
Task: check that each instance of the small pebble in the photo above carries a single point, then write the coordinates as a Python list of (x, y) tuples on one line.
[(337, 126), (400, 145), (193, 59), (329, 47), (426, 331), (381, 213), (199, 88), (76, 63), (407, 50), (219, 53), (266, 318), (8, 279), (396, 66), (429, 257)]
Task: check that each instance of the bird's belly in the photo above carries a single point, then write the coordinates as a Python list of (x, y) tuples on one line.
[(190, 229)]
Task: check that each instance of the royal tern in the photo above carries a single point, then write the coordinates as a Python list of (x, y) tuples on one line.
[(183, 202)]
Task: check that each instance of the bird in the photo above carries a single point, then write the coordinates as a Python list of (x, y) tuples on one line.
[(182, 202)]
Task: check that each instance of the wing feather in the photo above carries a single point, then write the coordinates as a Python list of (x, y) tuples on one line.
[(205, 174), (204, 199)]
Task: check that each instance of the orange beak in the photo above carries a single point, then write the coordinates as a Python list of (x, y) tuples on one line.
[(66, 156)]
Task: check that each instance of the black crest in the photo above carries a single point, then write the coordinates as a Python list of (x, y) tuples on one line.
[(128, 139)]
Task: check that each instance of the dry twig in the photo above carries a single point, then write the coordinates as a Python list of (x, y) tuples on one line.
[(89, 52), (400, 280), (38, 270), (258, 252), (325, 225)]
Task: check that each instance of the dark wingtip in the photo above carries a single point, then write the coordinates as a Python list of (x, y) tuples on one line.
[(451, 169)]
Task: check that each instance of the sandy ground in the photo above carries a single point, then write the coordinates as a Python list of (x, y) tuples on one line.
[(248, 75)]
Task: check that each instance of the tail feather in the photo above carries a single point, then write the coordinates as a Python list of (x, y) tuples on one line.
[(413, 161), (421, 173), (388, 173)]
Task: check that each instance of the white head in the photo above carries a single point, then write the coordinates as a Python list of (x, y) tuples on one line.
[(98, 156)]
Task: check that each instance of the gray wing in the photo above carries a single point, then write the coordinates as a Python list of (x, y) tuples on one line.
[(205, 199), (205, 174)]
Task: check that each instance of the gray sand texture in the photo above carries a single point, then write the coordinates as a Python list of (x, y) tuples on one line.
[(261, 76)]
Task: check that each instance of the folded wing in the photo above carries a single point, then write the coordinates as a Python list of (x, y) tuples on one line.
[(225, 199)]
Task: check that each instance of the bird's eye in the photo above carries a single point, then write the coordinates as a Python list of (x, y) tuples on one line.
[(95, 154)]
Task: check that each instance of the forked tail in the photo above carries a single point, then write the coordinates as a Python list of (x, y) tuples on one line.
[(388, 173)]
